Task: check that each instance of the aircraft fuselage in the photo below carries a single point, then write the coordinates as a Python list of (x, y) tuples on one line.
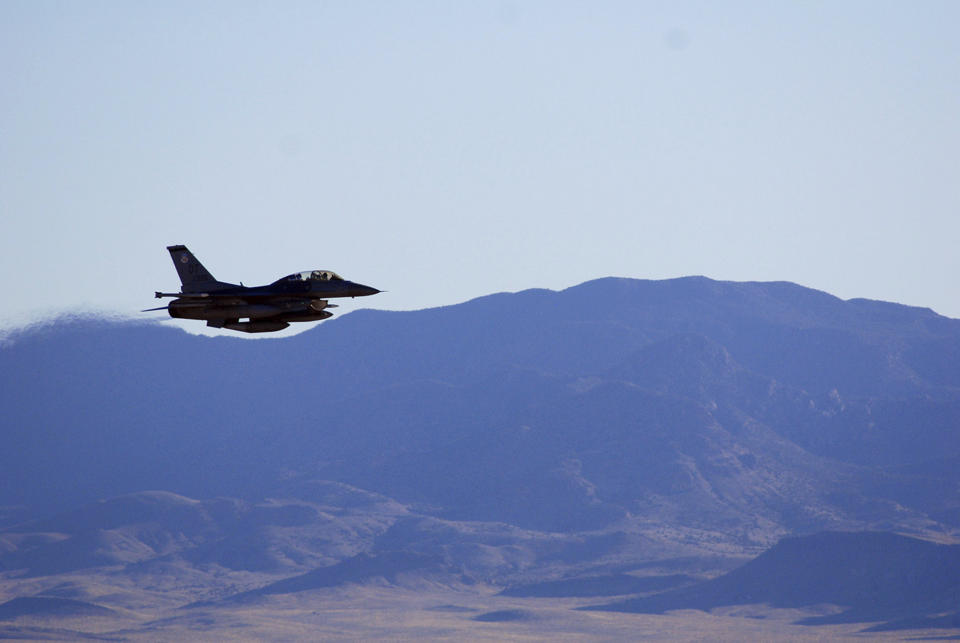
[(299, 297)]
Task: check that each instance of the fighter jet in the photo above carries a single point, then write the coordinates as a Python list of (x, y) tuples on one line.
[(299, 297)]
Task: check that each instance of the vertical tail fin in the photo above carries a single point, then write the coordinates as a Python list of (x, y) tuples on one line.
[(193, 276)]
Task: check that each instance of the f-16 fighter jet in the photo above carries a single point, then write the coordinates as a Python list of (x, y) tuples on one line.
[(299, 297)]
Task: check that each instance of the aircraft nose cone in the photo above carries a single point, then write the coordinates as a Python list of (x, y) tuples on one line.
[(363, 291)]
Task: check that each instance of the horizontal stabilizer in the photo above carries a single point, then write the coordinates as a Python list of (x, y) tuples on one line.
[(184, 295)]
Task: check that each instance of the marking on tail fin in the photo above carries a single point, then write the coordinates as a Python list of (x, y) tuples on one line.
[(194, 278)]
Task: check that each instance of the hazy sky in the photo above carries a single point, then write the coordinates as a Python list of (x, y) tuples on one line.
[(446, 150)]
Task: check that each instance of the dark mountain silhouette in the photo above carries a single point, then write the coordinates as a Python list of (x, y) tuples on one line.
[(876, 576), (50, 606), (609, 585), (505, 616), (387, 566)]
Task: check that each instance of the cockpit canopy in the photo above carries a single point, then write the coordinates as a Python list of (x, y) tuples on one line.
[(313, 275)]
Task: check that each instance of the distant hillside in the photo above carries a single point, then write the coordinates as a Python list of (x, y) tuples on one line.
[(147, 529), (749, 410), (876, 576)]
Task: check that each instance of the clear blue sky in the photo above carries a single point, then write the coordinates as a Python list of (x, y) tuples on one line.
[(446, 150)]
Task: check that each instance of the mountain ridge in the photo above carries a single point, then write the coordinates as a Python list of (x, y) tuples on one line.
[(252, 409), (617, 435)]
